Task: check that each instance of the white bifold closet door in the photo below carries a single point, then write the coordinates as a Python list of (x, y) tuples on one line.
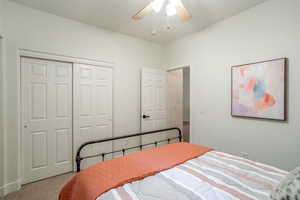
[(47, 118), (92, 109)]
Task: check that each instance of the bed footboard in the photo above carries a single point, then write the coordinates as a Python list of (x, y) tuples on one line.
[(103, 154)]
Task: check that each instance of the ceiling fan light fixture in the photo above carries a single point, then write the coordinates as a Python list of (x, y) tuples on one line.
[(174, 7), (175, 2), (157, 5), (171, 10)]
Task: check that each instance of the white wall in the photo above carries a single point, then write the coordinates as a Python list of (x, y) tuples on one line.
[(31, 29), (186, 94), (1, 15), (270, 30)]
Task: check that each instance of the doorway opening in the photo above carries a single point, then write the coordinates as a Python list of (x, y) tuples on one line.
[(179, 99)]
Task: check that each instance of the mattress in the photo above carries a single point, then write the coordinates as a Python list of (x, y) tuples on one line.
[(212, 176)]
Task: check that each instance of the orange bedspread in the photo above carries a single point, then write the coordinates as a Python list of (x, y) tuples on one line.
[(97, 179)]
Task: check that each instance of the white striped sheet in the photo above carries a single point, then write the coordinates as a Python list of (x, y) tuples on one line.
[(245, 163), (228, 195), (183, 185), (274, 168), (218, 181), (128, 189), (116, 194), (243, 170), (177, 175), (231, 178), (258, 163), (225, 195)]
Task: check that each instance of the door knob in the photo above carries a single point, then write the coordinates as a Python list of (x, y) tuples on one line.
[(146, 116)]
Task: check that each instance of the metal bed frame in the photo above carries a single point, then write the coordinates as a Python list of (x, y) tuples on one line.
[(80, 158)]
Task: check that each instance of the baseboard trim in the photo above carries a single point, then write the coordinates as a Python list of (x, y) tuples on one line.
[(9, 188)]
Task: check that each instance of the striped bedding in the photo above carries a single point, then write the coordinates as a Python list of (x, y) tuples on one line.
[(212, 176)]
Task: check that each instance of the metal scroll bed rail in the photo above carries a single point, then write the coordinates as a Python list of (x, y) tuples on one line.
[(80, 158)]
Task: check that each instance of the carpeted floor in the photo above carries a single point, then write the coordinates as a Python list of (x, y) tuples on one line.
[(47, 189)]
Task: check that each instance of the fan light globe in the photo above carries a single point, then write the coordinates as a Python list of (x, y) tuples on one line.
[(157, 5), (171, 9)]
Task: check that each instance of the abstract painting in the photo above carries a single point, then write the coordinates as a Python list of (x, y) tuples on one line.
[(258, 90)]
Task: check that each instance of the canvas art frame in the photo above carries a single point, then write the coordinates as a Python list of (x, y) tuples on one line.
[(258, 90)]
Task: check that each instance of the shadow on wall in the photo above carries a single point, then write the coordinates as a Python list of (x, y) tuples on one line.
[(186, 104)]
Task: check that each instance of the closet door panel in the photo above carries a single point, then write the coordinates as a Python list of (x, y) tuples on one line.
[(47, 118), (92, 109)]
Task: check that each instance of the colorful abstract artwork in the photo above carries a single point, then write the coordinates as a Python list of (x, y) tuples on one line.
[(258, 90)]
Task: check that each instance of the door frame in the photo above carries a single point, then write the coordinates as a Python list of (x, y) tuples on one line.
[(52, 57), (178, 67)]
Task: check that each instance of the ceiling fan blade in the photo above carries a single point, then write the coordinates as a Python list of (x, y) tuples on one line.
[(148, 9), (182, 12)]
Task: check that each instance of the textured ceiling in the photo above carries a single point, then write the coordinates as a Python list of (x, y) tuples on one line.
[(115, 15)]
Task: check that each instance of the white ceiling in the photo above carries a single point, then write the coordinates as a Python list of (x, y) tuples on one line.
[(115, 15)]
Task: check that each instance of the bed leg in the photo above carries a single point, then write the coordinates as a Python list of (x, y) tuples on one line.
[(78, 164)]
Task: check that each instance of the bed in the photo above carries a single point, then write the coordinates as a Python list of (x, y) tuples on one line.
[(177, 171)]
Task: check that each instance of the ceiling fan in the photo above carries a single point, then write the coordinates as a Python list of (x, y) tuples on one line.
[(173, 7)]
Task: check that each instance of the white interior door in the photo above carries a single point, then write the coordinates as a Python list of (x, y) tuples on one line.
[(92, 109), (153, 102), (47, 118)]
